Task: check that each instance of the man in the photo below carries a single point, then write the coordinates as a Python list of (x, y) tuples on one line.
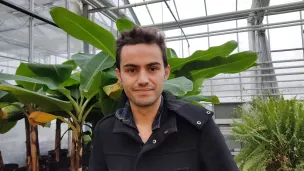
[(153, 131)]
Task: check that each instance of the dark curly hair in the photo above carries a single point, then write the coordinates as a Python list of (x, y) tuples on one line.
[(141, 35)]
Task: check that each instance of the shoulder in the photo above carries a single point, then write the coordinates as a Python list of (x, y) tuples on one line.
[(106, 122), (196, 115)]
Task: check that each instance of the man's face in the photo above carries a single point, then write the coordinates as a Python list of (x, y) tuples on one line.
[(142, 73)]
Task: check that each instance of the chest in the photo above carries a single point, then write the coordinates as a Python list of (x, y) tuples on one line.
[(165, 150)]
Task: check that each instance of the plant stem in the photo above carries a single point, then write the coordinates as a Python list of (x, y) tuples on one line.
[(33, 137), (37, 142), (86, 114), (83, 108), (74, 103), (28, 144), (81, 101), (35, 164), (69, 124), (1, 162), (57, 139), (74, 119)]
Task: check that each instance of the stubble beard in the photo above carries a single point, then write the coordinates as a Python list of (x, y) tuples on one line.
[(144, 103)]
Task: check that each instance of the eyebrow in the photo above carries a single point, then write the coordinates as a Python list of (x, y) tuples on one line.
[(133, 65)]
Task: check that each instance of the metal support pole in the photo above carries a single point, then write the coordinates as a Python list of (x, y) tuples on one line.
[(67, 5), (302, 37), (31, 40), (86, 47), (126, 6)]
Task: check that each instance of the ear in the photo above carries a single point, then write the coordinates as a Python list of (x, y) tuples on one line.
[(117, 71), (167, 72)]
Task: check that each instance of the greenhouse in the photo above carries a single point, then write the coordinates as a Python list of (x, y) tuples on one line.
[(241, 60)]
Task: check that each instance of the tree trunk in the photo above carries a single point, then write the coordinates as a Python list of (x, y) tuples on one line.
[(76, 152), (28, 144), (34, 157), (37, 142), (57, 139), (1, 162)]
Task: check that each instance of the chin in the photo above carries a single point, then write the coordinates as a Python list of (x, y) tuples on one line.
[(144, 101)]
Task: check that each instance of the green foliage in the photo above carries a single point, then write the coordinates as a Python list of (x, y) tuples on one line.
[(123, 24), (171, 53), (47, 103), (84, 29), (90, 77), (178, 86), (272, 134)]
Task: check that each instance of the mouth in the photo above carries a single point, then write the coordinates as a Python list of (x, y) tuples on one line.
[(143, 91)]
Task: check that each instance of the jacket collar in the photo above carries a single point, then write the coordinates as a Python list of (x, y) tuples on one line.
[(195, 115)]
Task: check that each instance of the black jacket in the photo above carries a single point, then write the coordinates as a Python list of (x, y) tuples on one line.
[(187, 140)]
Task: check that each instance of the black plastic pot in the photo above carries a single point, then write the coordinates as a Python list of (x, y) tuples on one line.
[(53, 165), (43, 159), (10, 167), (20, 169), (41, 168), (63, 153), (63, 169)]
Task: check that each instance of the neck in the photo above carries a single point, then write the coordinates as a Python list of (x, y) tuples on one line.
[(144, 116)]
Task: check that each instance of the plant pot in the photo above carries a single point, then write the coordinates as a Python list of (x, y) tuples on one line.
[(63, 169), (21, 169), (63, 153), (10, 167), (41, 168), (43, 159), (53, 165)]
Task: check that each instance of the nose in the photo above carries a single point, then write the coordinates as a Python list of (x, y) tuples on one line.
[(143, 78)]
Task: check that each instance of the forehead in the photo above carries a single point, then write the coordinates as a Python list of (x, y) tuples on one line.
[(140, 54)]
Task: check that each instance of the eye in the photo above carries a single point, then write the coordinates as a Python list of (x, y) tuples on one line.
[(153, 69), (131, 70)]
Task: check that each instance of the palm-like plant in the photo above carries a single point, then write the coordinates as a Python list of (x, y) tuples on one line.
[(272, 134)]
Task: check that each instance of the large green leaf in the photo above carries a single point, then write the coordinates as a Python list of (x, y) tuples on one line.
[(12, 113), (71, 62), (6, 97), (113, 91), (23, 70), (197, 87), (178, 86), (47, 103), (89, 76), (223, 50), (84, 29), (58, 73), (230, 65), (5, 126), (81, 58), (73, 80), (106, 103), (200, 98), (123, 24), (45, 81), (171, 53)]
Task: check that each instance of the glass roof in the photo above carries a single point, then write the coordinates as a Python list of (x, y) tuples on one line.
[(50, 43)]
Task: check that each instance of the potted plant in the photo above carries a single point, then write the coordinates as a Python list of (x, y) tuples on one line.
[(271, 133)]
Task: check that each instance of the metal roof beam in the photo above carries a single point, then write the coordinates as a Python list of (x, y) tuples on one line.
[(125, 6), (242, 14)]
